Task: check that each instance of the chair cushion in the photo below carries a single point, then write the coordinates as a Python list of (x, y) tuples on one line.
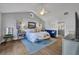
[(52, 32)]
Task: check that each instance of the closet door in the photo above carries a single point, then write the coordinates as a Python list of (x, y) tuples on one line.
[(61, 27)]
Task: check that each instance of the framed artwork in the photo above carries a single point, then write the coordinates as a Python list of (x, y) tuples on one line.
[(31, 25)]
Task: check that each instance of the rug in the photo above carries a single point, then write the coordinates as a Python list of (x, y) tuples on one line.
[(35, 47)]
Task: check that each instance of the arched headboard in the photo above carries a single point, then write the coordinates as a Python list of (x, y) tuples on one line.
[(30, 18)]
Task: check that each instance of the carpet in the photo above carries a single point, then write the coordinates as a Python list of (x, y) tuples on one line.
[(35, 47)]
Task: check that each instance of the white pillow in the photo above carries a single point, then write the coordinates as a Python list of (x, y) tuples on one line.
[(30, 30)]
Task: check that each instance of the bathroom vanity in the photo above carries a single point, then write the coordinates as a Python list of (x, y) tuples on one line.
[(70, 46)]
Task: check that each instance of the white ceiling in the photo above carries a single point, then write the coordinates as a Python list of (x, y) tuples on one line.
[(16, 7)]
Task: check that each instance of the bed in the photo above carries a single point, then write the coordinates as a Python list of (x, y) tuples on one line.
[(37, 36)]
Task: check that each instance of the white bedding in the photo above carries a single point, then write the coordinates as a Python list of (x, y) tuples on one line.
[(34, 36), (41, 35)]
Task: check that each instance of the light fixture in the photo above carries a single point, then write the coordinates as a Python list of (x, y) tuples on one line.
[(66, 13), (43, 11)]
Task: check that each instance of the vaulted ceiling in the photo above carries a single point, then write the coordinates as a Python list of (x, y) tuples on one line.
[(14, 7)]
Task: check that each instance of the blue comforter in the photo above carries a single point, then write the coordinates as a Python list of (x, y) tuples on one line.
[(36, 36), (31, 36)]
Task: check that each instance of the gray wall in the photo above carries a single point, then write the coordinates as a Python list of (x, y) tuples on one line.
[(9, 20), (55, 13), (0, 26)]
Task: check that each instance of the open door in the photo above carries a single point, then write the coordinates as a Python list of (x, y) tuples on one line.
[(77, 26)]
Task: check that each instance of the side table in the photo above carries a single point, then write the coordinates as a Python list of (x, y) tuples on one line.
[(6, 37)]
